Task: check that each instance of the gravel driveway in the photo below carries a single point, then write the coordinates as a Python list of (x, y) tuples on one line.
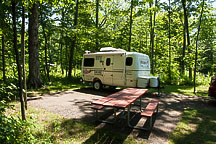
[(76, 104)]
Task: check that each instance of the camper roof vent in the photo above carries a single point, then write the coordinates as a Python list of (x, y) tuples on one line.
[(111, 49), (87, 52)]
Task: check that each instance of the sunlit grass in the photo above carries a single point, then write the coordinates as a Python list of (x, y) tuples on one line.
[(196, 126), (185, 90), (48, 127)]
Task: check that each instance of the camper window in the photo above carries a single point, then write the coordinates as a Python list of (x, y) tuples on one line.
[(129, 61), (108, 62), (89, 62)]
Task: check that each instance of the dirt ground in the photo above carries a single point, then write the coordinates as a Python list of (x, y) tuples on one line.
[(76, 104)]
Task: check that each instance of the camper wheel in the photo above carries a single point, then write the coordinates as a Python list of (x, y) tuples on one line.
[(97, 85)]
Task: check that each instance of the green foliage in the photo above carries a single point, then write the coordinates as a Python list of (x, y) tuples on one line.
[(47, 127), (57, 19), (13, 129), (7, 92)]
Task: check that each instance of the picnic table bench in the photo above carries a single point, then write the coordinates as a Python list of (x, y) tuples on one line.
[(124, 99)]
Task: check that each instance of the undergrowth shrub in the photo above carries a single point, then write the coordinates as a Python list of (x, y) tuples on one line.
[(13, 129), (8, 92), (177, 79)]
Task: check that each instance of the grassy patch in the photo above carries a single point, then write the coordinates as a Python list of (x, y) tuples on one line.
[(48, 127), (196, 126), (185, 90), (57, 84)]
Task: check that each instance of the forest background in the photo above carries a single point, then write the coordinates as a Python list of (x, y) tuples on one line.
[(44, 39)]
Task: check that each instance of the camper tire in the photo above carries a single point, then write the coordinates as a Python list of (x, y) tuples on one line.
[(97, 85)]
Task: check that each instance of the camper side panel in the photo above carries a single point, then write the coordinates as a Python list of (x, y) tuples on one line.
[(143, 65), (92, 67)]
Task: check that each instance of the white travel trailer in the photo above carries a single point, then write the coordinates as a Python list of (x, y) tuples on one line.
[(117, 67)]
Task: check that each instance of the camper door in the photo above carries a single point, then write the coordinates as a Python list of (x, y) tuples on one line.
[(118, 70), (108, 70)]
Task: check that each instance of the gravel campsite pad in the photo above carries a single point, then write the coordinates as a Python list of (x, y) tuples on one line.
[(76, 104)]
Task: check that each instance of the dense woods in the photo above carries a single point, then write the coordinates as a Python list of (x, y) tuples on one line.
[(178, 35), (44, 39)]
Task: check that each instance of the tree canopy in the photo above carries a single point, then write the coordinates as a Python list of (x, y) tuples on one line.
[(164, 30)]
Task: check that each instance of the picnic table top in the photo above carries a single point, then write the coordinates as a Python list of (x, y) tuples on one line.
[(121, 99)]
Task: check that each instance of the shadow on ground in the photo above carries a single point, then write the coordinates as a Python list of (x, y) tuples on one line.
[(171, 108), (104, 92), (170, 111)]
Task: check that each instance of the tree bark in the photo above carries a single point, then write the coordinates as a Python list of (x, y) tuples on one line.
[(196, 53), (61, 36), (17, 60), (146, 39), (61, 55), (170, 77), (66, 55), (34, 65), (73, 41), (3, 58), (45, 46), (23, 56), (151, 36), (97, 11), (130, 28), (187, 32)]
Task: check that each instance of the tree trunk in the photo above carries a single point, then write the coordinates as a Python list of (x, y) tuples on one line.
[(46, 57), (34, 65), (23, 56), (97, 11), (146, 39), (188, 35), (170, 78), (17, 60), (196, 53), (45, 46), (73, 41), (61, 36), (131, 22), (3, 58), (212, 60), (156, 49), (66, 55), (151, 36), (61, 55)]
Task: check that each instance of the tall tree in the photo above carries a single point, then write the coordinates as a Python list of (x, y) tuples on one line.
[(131, 22), (97, 11), (3, 58), (34, 64), (74, 40), (46, 43), (151, 38), (23, 55), (186, 34), (170, 78), (17, 59), (197, 38)]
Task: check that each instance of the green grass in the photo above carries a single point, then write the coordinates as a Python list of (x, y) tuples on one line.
[(47, 127), (196, 126), (57, 84), (185, 90)]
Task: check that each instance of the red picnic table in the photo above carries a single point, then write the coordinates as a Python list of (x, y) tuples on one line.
[(121, 100)]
